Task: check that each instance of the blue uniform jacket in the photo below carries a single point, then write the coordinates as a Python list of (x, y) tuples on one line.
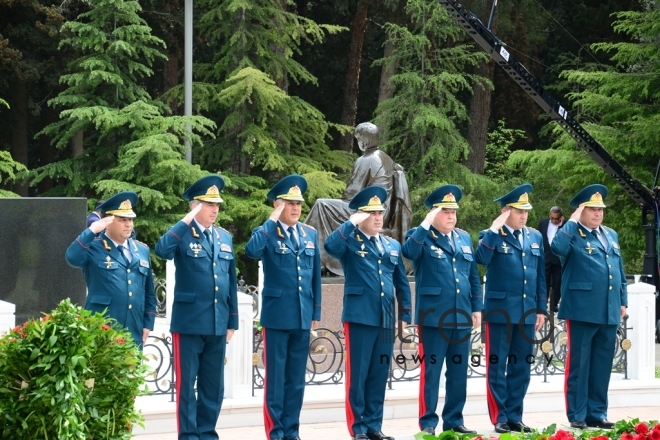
[(126, 290), (593, 285), (446, 281), (292, 281), (371, 280), (205, 300), (515, 277)]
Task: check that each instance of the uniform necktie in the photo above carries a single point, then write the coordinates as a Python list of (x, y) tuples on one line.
[(516, 233), (451, 241), (292, 236), (375, 242), (596, 234), (123, 251), (207, 234)]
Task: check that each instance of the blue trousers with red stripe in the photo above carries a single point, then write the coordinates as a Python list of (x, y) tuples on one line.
[(201, 358), (588, 369), (285, 361), (437, 346), (368, 357), (509, 350)]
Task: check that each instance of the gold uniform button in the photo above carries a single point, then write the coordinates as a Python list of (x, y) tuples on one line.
[(130, 306), (610, 287), (382, 293), (523, 254), (457, 280), (454, 269), (382, 283), (300, 288), (524, 267), (299, 278), (298, 267), (216, 288), (525, 281), (213, 264), (128, 271), (610, 266), (610, 276), (215, 301), (226, 257), (130, 293), (129, 281), (380, 271), (215, 276), (454, 260), (378, 261), (458, 290), (607, 256), (297, 258), (524, 296)]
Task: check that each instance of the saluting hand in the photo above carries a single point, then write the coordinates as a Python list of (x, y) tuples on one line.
[(359, 217), (578, 212), (430, 217), (100, 225), (191, 215), (501, 220), (279, 207)]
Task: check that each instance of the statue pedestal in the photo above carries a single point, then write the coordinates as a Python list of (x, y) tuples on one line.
[(7, 316)]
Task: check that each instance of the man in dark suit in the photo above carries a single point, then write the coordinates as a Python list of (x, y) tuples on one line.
[(117, 268), (515, 305), (291, 304), (204, 309), (594, 301), (448, 304), (375, 277), (548, 228)]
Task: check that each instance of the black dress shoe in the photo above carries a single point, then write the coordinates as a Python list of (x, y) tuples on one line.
[(378, 436), (579, 424), (360, 437), (502, 427), (463, 430), (519, 427), (429, 430), (602, 424)]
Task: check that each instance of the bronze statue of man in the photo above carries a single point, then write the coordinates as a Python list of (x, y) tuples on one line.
[(374, 167)]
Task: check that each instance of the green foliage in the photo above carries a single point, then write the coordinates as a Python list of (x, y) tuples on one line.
[(618, 107), (498, 150), (70, 375), (9, 168), (421, 119)]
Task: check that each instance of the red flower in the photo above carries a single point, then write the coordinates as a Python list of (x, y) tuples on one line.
[(639, 437), (655, 434), (641, 428), (120, 340), (105, 327), (563, 435), (600, 437), (626, 436), (657, 427), (45, 318), (478, 438)]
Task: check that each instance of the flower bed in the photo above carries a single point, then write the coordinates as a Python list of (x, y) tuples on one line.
[(623, 430), (70, 375)]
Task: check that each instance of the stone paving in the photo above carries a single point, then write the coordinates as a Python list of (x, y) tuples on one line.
[(406, 428)]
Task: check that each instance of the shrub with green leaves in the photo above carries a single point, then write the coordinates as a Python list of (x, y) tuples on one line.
[(71, 375)]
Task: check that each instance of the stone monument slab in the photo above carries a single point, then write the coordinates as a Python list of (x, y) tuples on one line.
[(35, 233)]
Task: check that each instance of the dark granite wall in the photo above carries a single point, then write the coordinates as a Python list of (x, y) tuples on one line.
[(34, 235)]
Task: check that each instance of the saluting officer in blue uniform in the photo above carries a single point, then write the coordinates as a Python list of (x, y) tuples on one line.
[(291, 304), (204, 309), (375, 279), (448, 304), (594, 299), (117, 268), (515, 306)]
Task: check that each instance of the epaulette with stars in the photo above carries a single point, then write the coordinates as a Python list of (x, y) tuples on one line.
[(462, 230), (138, 241), (308, 226), (533, 229)]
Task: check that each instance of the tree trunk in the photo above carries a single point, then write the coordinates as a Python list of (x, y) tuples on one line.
[(19, 130), (77, 143), (386, 89), (352, 83), (477, 135)]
